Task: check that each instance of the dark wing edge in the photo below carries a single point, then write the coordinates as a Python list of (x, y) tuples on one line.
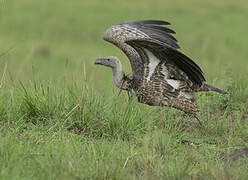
[(157, 22), (155, 30), (183, 62)]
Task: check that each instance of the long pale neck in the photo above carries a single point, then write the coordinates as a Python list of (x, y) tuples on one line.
[(135, 60), (117, 78)]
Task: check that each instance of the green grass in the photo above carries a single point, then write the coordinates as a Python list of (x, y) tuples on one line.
[(54, 124)]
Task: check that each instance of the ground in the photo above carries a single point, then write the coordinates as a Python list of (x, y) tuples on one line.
[(62, 118)]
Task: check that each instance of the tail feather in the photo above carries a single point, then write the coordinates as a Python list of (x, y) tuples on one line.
[(207, 87)]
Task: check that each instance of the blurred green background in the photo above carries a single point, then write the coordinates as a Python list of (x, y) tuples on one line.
[(49, 39)]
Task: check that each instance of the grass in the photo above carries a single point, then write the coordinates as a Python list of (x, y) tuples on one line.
[(59, 121)]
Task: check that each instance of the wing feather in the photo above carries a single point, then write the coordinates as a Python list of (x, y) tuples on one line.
[(157, 22), (155, 32), (172, 56)]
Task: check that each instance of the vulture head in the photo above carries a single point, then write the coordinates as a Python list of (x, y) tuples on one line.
[(110, 61)]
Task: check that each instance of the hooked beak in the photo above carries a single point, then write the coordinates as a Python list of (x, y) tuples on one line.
[(98, 61), (104, 62)]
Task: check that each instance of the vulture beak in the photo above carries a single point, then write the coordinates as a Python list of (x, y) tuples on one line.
[(98, 61), (105, 62)]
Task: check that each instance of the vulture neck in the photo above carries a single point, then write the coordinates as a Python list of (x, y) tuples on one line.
[(117, 78)]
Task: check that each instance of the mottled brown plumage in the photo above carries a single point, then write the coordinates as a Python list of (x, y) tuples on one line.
[(162, 76)]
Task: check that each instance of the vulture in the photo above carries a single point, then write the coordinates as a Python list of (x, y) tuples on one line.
[(161, 75)]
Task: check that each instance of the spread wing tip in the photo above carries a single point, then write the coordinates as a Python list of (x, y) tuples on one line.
[(154, 22), (156, 30)]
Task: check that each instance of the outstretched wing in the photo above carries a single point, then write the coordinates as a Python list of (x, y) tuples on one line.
[(151, 47), (159, 47)]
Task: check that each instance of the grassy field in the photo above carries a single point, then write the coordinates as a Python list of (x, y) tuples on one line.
[(59, 121)]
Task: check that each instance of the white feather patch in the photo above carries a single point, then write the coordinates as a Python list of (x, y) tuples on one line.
[(164, 71), (174, 83), (153, 62)]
